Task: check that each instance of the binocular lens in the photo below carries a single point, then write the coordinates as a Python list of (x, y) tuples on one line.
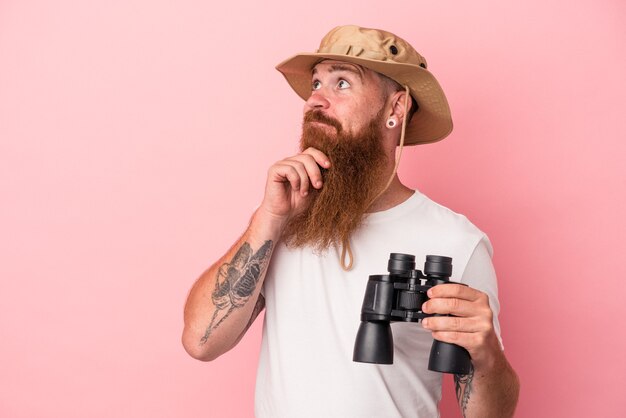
[(374, 343)]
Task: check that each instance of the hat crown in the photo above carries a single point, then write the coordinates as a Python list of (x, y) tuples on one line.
[(375, 44)]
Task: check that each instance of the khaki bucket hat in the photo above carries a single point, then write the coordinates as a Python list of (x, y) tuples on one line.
[(386, 54)]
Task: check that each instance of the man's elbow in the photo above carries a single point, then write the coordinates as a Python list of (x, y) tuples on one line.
[(512, 396), (199, 351), (516, 389)]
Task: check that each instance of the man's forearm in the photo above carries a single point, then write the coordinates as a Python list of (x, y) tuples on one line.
[(225, 299), (489, 390)]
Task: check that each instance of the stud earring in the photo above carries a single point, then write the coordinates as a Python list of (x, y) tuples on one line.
[(391, 123)]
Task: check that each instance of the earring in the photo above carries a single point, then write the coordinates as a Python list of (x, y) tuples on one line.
[(391, 123)]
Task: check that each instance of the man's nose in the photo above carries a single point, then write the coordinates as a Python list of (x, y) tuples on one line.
[(317, 101)]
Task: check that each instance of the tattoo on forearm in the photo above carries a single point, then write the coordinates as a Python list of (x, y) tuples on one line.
[(463, 385), (260, 305), (236, 282)]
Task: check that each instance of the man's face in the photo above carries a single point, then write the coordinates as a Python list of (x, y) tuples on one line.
[(347, 126), (348, 93)]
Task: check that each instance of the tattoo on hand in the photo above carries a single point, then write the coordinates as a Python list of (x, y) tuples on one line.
[(463, 386), (236, 282)]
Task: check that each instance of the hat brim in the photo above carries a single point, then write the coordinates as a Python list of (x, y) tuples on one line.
[(431, 123)]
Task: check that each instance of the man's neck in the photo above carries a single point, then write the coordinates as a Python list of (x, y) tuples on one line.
[(395, 194)]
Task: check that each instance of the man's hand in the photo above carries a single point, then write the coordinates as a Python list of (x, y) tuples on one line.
[(491, 389), (289, 182), (471, 325)]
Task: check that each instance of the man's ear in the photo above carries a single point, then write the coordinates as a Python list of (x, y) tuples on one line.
[(398, 101)]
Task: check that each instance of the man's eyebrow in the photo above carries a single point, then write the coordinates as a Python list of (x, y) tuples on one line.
[(342, 67)]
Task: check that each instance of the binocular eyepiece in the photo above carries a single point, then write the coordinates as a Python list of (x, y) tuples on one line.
[(398, 296)]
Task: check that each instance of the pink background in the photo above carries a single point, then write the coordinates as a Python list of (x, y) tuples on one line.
[(134, 140)]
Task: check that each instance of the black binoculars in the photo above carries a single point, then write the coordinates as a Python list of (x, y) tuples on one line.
[(398, 296)]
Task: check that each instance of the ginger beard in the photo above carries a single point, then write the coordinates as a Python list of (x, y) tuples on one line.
[(354, 179)]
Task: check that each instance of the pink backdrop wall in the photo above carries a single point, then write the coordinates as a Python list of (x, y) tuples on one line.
[(134, 140)]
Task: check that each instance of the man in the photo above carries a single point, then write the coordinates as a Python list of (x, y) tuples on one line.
[(330, 217)]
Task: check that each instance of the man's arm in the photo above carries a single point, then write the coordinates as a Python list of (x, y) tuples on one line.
[(491, 388), (490, 392), (221, 304), (226, 298)]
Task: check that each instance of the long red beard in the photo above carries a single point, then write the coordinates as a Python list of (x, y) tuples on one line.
[(354, 179)]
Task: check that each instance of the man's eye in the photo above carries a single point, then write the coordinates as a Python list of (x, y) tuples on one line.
[(316, 85), (343, 84)]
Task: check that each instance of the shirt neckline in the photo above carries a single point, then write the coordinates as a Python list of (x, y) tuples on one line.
[(400, 209)]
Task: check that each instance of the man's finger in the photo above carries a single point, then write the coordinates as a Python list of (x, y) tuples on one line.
[(319, 157), (302, 170), (454, 323), (310, 168), (449, 306), (452, 290), (288, 172)]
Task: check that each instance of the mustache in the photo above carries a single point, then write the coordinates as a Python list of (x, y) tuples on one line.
[(319, 116)]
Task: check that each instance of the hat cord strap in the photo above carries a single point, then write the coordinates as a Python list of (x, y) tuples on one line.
[(345, 245), (346, 248)]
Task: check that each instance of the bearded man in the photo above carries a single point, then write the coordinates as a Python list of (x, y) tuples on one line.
[(330, 217)]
